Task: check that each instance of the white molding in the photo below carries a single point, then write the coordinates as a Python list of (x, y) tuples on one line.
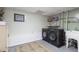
[(21, 39)]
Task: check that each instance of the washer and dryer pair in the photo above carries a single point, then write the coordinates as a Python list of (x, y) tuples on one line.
[(54, 36)]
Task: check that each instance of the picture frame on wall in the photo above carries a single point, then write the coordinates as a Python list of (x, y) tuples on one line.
[(18, 17), (49, 19)]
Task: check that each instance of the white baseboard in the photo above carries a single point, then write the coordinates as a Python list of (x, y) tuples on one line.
[(22, 42), (21, 39)]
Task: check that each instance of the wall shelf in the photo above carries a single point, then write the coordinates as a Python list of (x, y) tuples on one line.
[(71, 20)]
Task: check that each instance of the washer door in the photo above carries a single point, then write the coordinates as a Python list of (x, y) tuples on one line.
[(52, 36), (44, 34)]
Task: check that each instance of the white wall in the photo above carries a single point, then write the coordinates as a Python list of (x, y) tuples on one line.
[(23, 32)]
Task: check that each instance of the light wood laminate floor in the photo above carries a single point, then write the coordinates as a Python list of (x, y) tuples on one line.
[(40, 46)]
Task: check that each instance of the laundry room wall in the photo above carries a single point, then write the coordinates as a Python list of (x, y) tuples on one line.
[(72, 25), (27, 31)]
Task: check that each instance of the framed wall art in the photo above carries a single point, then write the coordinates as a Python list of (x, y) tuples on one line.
[(18, 17)]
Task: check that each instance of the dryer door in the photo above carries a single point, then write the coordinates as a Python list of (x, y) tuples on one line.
[(52, 36)]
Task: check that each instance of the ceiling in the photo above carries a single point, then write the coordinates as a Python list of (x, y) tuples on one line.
[(48, 11)]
